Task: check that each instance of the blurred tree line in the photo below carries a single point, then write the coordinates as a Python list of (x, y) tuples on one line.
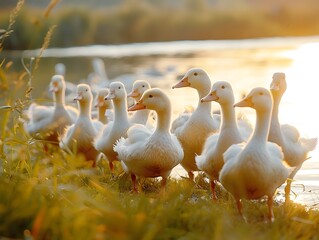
[(155, 20)]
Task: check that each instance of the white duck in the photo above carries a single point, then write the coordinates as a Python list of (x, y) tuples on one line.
[(70, 88), (294, 147), (60, 69), (192, 130), (104, 113), (114, 130), (211, 160), (47, 122), (79, 136), (100, 72), (150, 154), (142, 116), (255, 169)]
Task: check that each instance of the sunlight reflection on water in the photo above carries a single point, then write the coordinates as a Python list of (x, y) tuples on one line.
[(301, 110)]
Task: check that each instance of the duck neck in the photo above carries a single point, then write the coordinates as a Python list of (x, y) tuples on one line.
[(203, 90), (262, 126), (142, 115), (163, 119), (275, 110), (203, 106), (120, 114), (228, 116), (101, 114), (58, 98), (275, 134), (85, 109)]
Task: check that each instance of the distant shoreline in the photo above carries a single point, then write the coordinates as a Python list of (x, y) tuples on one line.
[(163, 48)]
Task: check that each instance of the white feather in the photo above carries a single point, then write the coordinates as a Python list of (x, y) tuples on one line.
[(148, 153), (193, 129)]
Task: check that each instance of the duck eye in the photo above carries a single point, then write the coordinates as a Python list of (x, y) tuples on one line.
[(119, 87), (195, 74), (86, 89), (143, 86), (223, 87), (150, 96)]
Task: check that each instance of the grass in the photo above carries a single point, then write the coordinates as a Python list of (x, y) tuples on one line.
[(54, 195), (57, 196)]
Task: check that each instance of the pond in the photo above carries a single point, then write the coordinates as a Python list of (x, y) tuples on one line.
[(244, 63)]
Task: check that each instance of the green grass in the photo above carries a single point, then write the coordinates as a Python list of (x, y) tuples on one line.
[(57, 196)]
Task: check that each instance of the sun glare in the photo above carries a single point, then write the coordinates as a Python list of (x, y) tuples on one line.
[(302, 96)]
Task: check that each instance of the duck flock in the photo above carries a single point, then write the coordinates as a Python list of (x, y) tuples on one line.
[(248, 162)]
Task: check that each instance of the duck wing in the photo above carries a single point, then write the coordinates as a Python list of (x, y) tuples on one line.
[(290, 132), (37, 112), (73, 112), (179, 122)]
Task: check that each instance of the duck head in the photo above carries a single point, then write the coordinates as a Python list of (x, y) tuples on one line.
[(278, 84), (139, 87), (59, 69), (84, 93), (117, 91), (258, 98), (153, 99), (221, 92), (195, 78), (99, 101), (57, 83)]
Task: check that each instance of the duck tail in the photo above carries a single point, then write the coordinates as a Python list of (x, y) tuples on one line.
[(118, 145), (309, 143), (200, 161)]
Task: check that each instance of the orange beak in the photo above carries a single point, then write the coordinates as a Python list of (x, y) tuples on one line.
[(78, 97), (99, 102), (246, 102), (137, 106), (111, 95), (54, 87), (182, 83), (134, 94), (210, 97), (274, 87)]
